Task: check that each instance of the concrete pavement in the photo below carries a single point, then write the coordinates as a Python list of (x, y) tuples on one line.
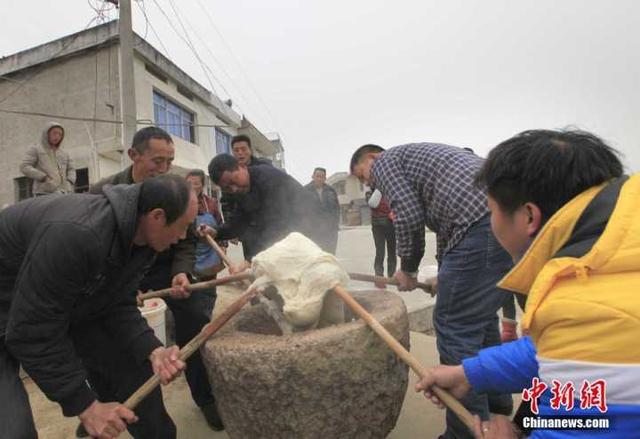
[(356, 253), (418, 419)]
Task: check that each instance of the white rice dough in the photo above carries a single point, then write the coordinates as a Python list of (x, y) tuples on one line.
[(302, 273)]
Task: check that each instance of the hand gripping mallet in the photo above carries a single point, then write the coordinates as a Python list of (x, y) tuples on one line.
[(187, 350), (196, 287), (427, 287)]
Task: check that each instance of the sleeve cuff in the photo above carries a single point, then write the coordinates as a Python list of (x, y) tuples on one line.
[(220, 232), (78, 401), (143, 347), (409, 265), (474, 373), (182, 267)]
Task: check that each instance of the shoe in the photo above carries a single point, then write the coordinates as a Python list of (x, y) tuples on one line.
[(81, 431), (509, 331), (210, 412)]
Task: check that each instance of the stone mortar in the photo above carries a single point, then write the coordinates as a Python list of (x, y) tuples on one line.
[(341, 381)]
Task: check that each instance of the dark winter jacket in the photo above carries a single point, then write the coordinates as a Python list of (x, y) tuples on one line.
[(275, 206), (231, 209), (329, 203), (179, 258), (67, 261)]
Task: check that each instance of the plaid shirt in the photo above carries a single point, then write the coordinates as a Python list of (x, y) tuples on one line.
[(429, 184)]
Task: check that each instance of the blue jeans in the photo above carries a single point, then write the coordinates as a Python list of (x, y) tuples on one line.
[(465, 316)]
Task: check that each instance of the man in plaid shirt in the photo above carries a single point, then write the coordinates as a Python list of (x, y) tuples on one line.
[(431, 185)]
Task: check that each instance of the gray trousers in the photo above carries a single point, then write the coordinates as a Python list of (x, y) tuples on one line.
[(114, 375), (16, 420)]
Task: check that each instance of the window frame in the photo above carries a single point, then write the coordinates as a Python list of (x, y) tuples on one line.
[(221, 132), (174, 118)]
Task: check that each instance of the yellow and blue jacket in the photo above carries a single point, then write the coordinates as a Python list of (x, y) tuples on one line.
[(582, 278)]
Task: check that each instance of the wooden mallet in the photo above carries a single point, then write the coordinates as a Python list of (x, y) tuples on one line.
[(447, 399), (196, 287), (187, 350), (270, 306), (212, 242), (427, 287)]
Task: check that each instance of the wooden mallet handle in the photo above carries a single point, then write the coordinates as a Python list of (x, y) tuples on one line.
[(197, 286), (187, 350), (269, 306), (406, 356), (225, 258), (389, 281), (212, 242)]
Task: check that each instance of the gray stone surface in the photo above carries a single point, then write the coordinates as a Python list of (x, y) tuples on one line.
[(420, 309), (341, 381)]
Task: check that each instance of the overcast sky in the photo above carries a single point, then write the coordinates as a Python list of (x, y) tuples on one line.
[(332, 75)]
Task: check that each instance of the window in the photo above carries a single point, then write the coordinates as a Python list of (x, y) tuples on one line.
[(173, 118), (223, 142), (24, 188), (82, 180)]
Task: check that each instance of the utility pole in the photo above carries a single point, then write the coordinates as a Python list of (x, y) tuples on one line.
[(127, 81)]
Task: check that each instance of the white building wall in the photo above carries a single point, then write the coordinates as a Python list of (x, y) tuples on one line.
[(85, 85), (351, 195), (354, 189), (188, 155)]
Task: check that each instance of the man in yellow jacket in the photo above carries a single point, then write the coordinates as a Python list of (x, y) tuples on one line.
[(562, 208)]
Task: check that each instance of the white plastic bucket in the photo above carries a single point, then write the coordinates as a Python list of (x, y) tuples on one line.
[(427, 272), (153, 311)]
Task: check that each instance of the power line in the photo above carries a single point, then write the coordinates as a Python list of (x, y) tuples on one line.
[(208, 125), (207, 70), (204, 65), (59, 116), (98, 120), (245, 99), (242, 70), (217, 61), (187, 42), (38, 70), (143, 9), (102, 12), (146, 19)]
